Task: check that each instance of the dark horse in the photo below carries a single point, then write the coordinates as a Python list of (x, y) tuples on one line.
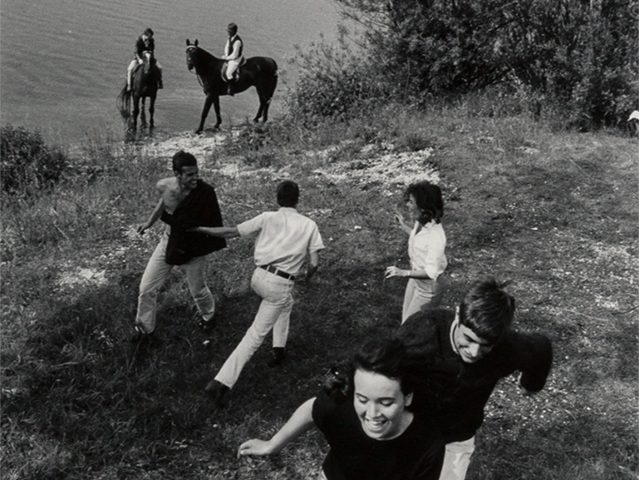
[(260, 72), (144, 83)]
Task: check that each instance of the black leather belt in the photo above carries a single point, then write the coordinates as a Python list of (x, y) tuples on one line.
[(278, 272)]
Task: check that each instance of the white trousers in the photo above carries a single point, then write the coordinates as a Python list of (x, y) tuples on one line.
[(456, 459), (231, 67), (422, 294), (156, 273), (274, 313)]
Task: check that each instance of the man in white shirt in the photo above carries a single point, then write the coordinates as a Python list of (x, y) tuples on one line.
[(284, 239), (233, 54)]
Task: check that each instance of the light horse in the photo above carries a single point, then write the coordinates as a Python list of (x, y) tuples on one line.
[(260, 72), (144, 83)]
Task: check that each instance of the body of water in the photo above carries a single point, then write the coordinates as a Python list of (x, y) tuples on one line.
[(63, 62)]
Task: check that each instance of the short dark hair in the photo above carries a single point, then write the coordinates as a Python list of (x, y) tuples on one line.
[(148, 31), (385, 357), (487, 310), (183, 159), (288, 193), (232, 27), (428, 197)]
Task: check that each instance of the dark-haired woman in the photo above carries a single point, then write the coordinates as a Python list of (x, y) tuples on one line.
[(371, 431), (426, 249)]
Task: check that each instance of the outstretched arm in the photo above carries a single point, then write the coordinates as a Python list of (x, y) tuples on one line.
[(157, 212), (225, 232), (299, 422), (535, 360)]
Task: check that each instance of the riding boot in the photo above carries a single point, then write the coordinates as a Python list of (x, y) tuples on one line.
[(229, 88), (160, 84)]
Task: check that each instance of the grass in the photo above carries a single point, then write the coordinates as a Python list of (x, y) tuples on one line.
[(555, 211)]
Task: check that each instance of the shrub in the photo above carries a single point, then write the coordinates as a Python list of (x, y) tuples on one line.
[(26, 163), (335, 82), (575, 57)]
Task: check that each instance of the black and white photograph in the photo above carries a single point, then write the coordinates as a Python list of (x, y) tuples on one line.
[(319, 240)]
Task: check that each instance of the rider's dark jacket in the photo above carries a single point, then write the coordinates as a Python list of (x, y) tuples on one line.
[(141, 45)]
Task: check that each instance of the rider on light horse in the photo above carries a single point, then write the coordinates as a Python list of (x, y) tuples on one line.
[(233, 56), (144, 43)]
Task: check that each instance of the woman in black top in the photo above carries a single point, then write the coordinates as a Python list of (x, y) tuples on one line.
[(371, 431)]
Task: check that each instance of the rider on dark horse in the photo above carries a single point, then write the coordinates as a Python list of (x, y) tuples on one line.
[(145, 42), (233, 54)]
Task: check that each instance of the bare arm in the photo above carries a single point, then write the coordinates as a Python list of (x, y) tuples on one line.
[(402, 223), (313, 263), (299, 422), (155, 214), (224, 232), (399, 272)]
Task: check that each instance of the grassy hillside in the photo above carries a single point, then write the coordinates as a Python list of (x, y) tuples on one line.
[(556, 212)]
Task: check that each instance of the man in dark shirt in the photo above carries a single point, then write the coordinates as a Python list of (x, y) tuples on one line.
[(463, 354), (185, 202), (144, 43)]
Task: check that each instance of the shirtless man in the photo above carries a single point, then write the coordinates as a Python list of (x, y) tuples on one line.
[(185, 202)]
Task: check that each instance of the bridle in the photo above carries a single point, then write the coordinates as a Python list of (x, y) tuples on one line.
[(199, 78)]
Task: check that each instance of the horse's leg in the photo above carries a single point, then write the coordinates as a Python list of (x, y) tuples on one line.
[(267, 103), (143, 113), (205, 112), (218, 117), (136, 112), (261, 109), (265, 92), (151, 111)]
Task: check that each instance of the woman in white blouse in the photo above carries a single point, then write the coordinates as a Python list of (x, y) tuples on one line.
[(426, 245)]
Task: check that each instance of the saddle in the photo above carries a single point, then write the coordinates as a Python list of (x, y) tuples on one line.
[(236, 74)]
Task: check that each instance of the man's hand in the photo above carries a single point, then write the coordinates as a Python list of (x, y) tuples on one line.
[(256, 447), (310, 271), (523, 390), (141, 228)]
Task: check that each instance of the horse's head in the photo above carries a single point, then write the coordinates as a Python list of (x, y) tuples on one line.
[(191, 52), (147, 58)]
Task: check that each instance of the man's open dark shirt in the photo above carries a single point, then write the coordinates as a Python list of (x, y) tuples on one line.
[(454, 392), (199, 208)]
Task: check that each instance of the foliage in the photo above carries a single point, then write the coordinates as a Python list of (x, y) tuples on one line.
[(79, 401), (335, 81), (578, 56), (26, 162)]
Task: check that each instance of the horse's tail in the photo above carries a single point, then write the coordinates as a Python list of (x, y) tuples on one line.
[(124, 103)]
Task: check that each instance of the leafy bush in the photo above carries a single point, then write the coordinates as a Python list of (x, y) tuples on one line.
[(575, 57), (26, 162), (336, 82)]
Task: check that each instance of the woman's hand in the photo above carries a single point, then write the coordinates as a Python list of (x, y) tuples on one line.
[(395, 272), (399, 218), (255, 446)]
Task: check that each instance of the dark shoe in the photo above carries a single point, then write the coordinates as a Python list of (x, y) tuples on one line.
[(279, 355), (206, 325), (139, 335), (217, 391), (160, 85), (229, 89)]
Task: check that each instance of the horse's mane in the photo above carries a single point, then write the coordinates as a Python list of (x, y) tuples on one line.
[(204, 56)]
